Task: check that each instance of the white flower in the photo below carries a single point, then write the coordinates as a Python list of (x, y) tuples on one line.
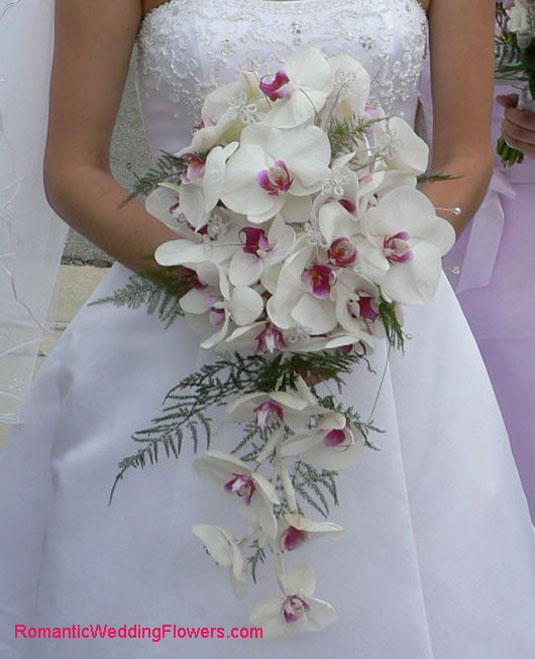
[(295, 529), (260, 336), (202, 185), (332, 444), (260, 251), (302, 296), (240, 100), (339, 229), (404, 149), (404, 244), (276, 171), (283, 406), (297, 611), (163, 203), (223, 547), (241, 305), (351, 89), (254, 495), (299, 89), (357, 306), (522, 21), (188, 252), (342, 184)]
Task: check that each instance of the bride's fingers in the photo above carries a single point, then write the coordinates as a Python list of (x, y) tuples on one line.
[(521, 118), (507, 100), (523, 134)]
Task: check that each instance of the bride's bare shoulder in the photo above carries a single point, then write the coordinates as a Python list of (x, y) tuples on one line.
[(149, 5)]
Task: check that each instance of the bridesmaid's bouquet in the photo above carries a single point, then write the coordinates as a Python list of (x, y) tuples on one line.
[(301, 233), (515, 59)]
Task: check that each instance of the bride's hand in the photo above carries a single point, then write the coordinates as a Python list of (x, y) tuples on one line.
[(518, 127)]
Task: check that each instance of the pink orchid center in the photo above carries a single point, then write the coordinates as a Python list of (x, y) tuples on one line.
[(255, 240), (340, 439), (270, 339), (277, 87), (276, 180), (348, 204), (363, 306), (320, 278), (396, 248), (294, 608), (195, 167), (242, 485), (266, 413), (293, 538), (342, 252), (345, 350)]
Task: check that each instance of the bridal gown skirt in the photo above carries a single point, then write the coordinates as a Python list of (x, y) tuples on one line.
[(438, 558)]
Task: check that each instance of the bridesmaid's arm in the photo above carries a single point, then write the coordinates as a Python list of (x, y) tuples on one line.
[(94, 42), (462, 61)]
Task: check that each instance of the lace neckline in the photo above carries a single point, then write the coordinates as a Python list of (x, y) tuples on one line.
[(273, 3)]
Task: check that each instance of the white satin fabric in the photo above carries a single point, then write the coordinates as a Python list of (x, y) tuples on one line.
[(438, 558)]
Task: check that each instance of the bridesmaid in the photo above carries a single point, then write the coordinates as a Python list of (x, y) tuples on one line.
[(492, 269)]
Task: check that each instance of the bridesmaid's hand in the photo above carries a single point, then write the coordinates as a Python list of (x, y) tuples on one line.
[(518, 127)]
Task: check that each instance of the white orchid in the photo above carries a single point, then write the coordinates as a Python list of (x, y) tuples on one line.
[(302, 296), (297, 611), (163, 203), (351, 89), (339, 229), (340, 184), (332, 444), (276, 171), (201, 248), (241, 101), (295, 529), (404, 150), (292, 408), (253, 493), (240, 305), (223, 547), (357, 306), (299, 88), (404, 244), (260, 251), (261, 336), (202, 184), (522, 21)]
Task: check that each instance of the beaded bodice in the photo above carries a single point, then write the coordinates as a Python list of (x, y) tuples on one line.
[(188, 47)]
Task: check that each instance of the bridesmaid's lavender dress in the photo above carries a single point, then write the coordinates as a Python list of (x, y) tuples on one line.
[(492, 269)]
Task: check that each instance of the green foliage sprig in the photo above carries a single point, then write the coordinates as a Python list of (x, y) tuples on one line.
[(168, 167)]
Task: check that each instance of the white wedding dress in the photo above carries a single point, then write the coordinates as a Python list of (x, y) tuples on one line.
[(438, 558)]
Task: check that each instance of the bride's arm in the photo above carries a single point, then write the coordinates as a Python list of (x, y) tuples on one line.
[(94, 41), (461, 41)]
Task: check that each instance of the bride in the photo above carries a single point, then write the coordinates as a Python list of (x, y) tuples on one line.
[(438, 558)]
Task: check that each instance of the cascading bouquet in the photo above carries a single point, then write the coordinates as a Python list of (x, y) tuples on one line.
[(515, 59), (301, 234)]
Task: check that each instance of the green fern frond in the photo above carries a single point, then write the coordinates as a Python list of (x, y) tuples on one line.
[(161, 300)]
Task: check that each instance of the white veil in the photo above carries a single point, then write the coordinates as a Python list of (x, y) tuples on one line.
[(32, 237)]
